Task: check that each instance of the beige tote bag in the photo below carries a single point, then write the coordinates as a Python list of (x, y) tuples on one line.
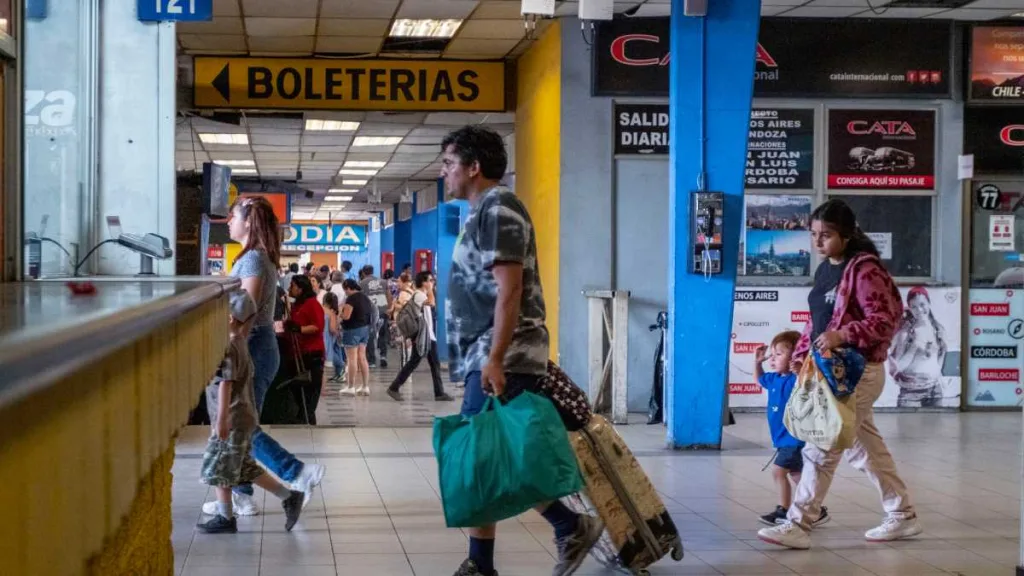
[(814, 415)]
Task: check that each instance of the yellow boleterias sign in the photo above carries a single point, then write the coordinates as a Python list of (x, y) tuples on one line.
[(337, 84)]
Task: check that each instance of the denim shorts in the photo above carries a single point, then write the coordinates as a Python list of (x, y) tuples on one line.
[(515, 384), (791, 458), (352, 337)]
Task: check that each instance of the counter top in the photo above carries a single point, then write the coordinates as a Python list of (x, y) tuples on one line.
[(46, 332)]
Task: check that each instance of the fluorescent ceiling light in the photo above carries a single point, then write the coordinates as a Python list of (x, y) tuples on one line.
[(331, 125), (425, 28), (354, 182), (235, 162), (341, 191), (338, 199), (350, 172), (376, 140), (214, 138), (243, 171), (365, 164)]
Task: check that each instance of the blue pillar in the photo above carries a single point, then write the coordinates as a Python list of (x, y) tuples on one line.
[(403, 241), (711, 88)]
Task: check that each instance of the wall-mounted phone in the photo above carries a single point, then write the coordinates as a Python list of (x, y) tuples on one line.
[(706, 232)]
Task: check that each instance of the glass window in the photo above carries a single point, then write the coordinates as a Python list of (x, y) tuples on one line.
[(997, 236), (901, 227), (56, 163), (776, 240)]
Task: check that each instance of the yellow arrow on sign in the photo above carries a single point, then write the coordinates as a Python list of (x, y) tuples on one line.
[(315, 84)]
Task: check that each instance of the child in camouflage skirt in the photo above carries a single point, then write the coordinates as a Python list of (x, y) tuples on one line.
[(227, 461)]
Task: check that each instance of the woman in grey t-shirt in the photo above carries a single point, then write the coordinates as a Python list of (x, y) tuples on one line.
[(254, 225)]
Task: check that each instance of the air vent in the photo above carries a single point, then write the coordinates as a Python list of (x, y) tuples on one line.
[(947, 4), (414, 45)]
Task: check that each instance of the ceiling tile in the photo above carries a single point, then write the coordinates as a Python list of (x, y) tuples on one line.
[(974, 14), (479, 48), (492, 29), (348, 45), (824, 11), (280, 26), (225, 8), (275, 122), (783, 2), (276, 140), (510, 10), (212, 42), (878, 4), (395, 117), (353, 27), (432, 140), (281, 44), (900, 13), (358, 9), (318, 139), (454, 118), (437, 9), (1015, 4), (279, 9), (222, 25), (382, 129), (275, 156)]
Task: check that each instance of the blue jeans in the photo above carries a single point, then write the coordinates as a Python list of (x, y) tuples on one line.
[(266, 359), (475, 395)]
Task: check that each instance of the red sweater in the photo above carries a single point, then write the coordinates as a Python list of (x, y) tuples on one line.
[(310, 313)]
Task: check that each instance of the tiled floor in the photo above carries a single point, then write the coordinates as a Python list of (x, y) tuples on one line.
[(379, 514)]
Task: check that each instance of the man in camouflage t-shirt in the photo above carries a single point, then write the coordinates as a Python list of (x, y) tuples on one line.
[(497, 339)]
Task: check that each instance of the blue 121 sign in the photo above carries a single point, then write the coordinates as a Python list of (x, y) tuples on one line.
[(175, 10)]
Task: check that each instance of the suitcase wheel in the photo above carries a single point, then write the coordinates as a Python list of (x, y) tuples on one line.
[(677, 553), (643, 572)]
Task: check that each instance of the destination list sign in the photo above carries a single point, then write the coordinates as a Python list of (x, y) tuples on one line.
[(641, 129), (780, 149)]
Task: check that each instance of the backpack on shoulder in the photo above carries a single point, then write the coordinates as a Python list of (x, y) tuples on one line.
[(410, 319)]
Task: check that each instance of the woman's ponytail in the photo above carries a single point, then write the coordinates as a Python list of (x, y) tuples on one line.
[(861, 242)]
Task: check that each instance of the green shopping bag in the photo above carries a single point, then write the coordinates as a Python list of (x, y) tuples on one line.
[(503, 461)]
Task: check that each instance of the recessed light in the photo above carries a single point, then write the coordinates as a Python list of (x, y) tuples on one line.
[(354, 182), (350, 172), (338, 199), (376, 140), (341, 191), (364, 164), (331, 125), (424, 28), (213, 138), (236, 171), (235, 162)]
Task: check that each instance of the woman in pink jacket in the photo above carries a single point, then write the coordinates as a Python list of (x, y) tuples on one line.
[(855, 303)]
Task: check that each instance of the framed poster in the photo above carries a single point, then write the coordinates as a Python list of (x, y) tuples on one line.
[(997, 64), (881, 149), (776, 235), (780, 149), (996, 334)]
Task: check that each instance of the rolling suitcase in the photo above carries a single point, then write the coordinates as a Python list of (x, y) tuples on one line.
[(638, 529)]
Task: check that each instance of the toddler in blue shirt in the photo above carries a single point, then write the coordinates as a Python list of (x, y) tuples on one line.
[(779, 384)]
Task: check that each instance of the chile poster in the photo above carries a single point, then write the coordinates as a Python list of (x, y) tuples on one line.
[(997, 64), (881, 149)]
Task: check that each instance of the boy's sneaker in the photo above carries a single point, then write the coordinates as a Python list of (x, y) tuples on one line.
[(308, 480), (242, 504), (895, 527), (822, 519), (218, 525), (573, 550), (469, 568), (292, 509), (788, 535), (777, 516)]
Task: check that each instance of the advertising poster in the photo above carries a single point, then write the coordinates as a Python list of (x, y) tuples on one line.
[(641, 129), (780, 149), (996, 334), (881, 149), (777, 240), (923, 370), (995, 136), (800, 57), (997, 64)]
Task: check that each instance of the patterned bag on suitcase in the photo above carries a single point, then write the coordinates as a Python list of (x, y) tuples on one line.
[(637, 525), (569, 399)]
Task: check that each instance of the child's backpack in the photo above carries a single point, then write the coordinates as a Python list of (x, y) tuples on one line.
[(410, 319)]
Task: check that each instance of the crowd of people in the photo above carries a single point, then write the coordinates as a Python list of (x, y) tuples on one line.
[(499, 345)]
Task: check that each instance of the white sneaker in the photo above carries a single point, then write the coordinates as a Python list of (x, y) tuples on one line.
[(788, 535), (241, 505), (348, 391), (894, 527), (364, 391), (308, 480)]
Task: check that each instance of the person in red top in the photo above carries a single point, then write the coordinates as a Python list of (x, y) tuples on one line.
[(307, 323)]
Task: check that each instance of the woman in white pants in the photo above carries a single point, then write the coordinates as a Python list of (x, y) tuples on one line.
[(854, 303)]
